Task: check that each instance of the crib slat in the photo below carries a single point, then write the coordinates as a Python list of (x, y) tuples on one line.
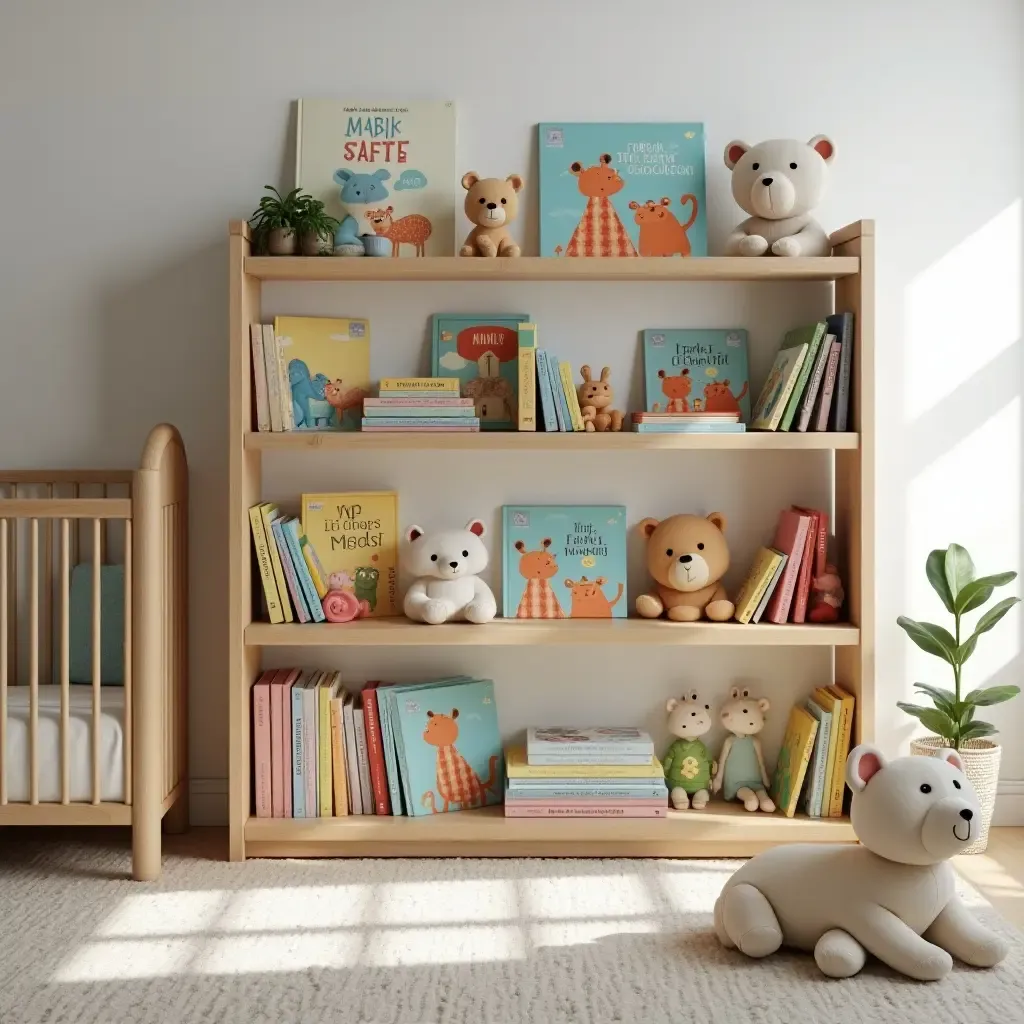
[(65, 672), (96, 569), (168, 645), (128, 661), (46, 647), (3, 662), (33, 660)]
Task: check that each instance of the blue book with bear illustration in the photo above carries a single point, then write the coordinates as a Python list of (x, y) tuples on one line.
[(483, 352), (623, 189), (696, 370), (563, 561)]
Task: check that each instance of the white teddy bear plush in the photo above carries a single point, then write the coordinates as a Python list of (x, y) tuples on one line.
[(893, 896), (448, 587), (779, 183)]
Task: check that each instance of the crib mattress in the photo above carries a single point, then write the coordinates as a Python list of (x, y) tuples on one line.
[(79, 744)]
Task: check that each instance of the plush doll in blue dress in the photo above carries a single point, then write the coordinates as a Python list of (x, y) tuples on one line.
[(741, 772)]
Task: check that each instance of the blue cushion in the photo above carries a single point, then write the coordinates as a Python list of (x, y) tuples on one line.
[(111, 624)]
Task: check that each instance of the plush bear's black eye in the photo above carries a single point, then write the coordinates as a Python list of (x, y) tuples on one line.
[(925, 788), (792, 167), (465, 554), (669, 552), (707, 707), (482, 200), (755, 166), (700, 547), (503, 202), (433, 558), (957, 784)]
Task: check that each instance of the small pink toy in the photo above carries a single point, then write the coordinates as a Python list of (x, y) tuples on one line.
[(827, 596), (340, 603)]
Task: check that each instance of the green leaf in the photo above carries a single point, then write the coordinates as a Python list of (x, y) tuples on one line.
[(994, 614), (966, 649), (991, 695), (929, 637), (945, 700), (935, 567), (938, 722), (968, 715), (959, 569), (977, 730), (978, 591)]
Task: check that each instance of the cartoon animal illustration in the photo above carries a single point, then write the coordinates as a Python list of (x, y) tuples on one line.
[(773, 388), (413, 229), (595, 397), (718, 397), (357, 189), (340, 603), (491, 205), (537, 567), (342, 398), (340, 581), (493, 398), (366, 581), (589, 601), (456, 781), (599, 232), (676, 388), (309, 401), (661, 234)]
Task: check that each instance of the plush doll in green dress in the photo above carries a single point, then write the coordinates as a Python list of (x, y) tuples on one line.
[(688, 765), (741, 774)]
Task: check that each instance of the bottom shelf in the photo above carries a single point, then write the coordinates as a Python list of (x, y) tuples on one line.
[(721, 830)]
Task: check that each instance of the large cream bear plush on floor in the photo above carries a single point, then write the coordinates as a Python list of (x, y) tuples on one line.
[(893, 896), (779, 183)]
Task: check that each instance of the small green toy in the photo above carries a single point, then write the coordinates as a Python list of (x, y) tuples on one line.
[(688, 765), (366, 585)]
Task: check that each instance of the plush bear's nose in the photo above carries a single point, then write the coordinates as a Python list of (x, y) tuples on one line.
[(492, 206), (693, 714), (966, 814), (686, 558), (454, 565), (767, 181)]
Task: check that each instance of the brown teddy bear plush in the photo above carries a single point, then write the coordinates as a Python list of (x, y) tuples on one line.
[(687, 556), (595, 398), (491, 204)]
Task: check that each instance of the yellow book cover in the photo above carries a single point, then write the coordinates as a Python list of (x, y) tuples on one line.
[(829, 702), (269, 513), (761, 572), (323, 744), (527, 376), (260, 546), (316, 569), (517, 767), (573, 400), (357, 534), (794, 756), (328, 369), (438, 385), (835, 809), (338, 765)]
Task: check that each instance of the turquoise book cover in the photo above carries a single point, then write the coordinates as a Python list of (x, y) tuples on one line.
[(563, 561), (692, 370), (622, 189), (483, 352), (449, 746)]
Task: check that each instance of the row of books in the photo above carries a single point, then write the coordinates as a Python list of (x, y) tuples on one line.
[(808, 387), (423, 748), (687, 423), (420, 404), (787, 581)]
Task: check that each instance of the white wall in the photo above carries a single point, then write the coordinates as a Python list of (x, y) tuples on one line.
[(132, 131)]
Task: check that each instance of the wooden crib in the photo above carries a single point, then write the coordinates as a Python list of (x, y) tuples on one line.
[(87, 738)]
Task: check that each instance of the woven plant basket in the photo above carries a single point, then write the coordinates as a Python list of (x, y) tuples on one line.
[(981, 759)]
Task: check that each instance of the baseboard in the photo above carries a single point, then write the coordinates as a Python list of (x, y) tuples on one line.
[(208, 801), (1009, 803)]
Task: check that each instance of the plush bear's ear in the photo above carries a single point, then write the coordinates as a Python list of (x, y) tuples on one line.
[(477, 527), (862, 765), (718, 518), (469, 179), (585, 373), (382, 174), (824, 147), (670, 704), (342, 175), (634, 205), (455, 712), (516, 181), (606, 372), (606, 158), (734, 152), (430, 714), (576, 168), (762, 703), (413, 533), (952, 756), (520, 547), (647, 527), (546, 543), (665, 201), (734, 693), (390, 210)]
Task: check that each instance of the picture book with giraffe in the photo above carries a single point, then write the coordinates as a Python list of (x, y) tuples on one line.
[(381, 169), (482, 351), (564, 561), (697, 371), (622, 189)]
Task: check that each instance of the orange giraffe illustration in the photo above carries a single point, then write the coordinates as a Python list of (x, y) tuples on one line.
[(677, 390), (599, 232), (660, 233), (456, 781), (414, 229), (537, 567), (589, 601), (718, 396)]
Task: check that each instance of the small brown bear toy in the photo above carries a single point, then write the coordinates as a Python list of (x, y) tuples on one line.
[(491, 204), (595, 398)]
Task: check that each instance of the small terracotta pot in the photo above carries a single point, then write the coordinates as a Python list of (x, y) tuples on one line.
[(981, 760), (312, 244), (282, 242)]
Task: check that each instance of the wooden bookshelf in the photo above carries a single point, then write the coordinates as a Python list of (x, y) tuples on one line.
[(721, 829)]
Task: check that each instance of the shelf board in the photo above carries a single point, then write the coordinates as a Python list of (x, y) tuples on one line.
[(720, 830), (547, 268), (513, 441), (401, 632)]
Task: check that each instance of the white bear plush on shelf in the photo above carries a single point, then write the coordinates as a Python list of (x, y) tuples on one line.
[(448, 587), (779, 183)]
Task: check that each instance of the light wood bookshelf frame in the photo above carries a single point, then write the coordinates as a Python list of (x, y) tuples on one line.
[(722, 830)]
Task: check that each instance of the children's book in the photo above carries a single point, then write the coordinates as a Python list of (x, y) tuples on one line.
[(770, 589), (547, 396), (762, 572), (813, 336), (519, 767), (261, 746), (528, 377), (339, 763), (259, 378), (633, 809), (794, 756), (770, 407), (596, 791), (362, 755), (261, 548), (814, 384), (814, 788), (845, 726), (832, 706), (790, 538), (375, 749), (825, 407), (288, 567), (298, 760), (270, 515), (356, 534), (561, 404), (391, 168), (483, 352), (437, 387), (813, 563), (564, 561), (355, 797), (272, 373), (293, 538), (328, 367), (588, 745), (689, 428), (841, 325), (622, 189), (571, 397), (696, 371), (326, 692)]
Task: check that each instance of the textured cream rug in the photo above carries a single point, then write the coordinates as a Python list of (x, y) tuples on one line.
[(411, 942)]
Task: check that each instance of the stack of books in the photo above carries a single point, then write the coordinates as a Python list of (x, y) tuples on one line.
[(548, 398), (430, 404), (589, 772), (688, 423)]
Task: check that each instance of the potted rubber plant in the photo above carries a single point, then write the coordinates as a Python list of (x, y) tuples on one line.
[(315, 227), (952, 716), (274, 222)]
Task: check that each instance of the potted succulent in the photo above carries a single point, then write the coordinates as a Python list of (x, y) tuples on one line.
[(315, 227), (952, 716), (274, 222)]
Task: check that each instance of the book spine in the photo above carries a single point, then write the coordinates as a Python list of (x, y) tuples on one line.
[(259, 539), (375, 752), (418, 411), (310, 756), (604, 760), (803, 586), (558, 393), (411, 402), (801, 773), (828, 390), (273, 375), (313, 566), (352, 778), (420, 421), (840, 420), (427, 385), (814, 385), (581, 811), (365, 794), (261, 749), (787, 392), (294, 588), (324, 781), (548, 419), (571, 398), (745, 611), (452, 427), (298, 757), (778, 607), (259, 378), (689, 428), (285, 396), (338, 765), (291, 532), (588, 795), (821, 780), (527, 377), (286, 739), (835, 805), (772, 584), (582, 775), (390, 755), (276, 762), (269, 513), (810, 356)]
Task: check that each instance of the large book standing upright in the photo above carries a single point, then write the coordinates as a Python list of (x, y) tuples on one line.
[(794, 755)]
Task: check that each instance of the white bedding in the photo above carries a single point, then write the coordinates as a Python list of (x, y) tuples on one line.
[(79, 743)]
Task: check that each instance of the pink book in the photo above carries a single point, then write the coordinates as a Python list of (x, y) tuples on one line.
[(514, 810), (827, 388), (286, 738), (790, 538), (652, 801), (276, 725), (803, 583), (261, 744)]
